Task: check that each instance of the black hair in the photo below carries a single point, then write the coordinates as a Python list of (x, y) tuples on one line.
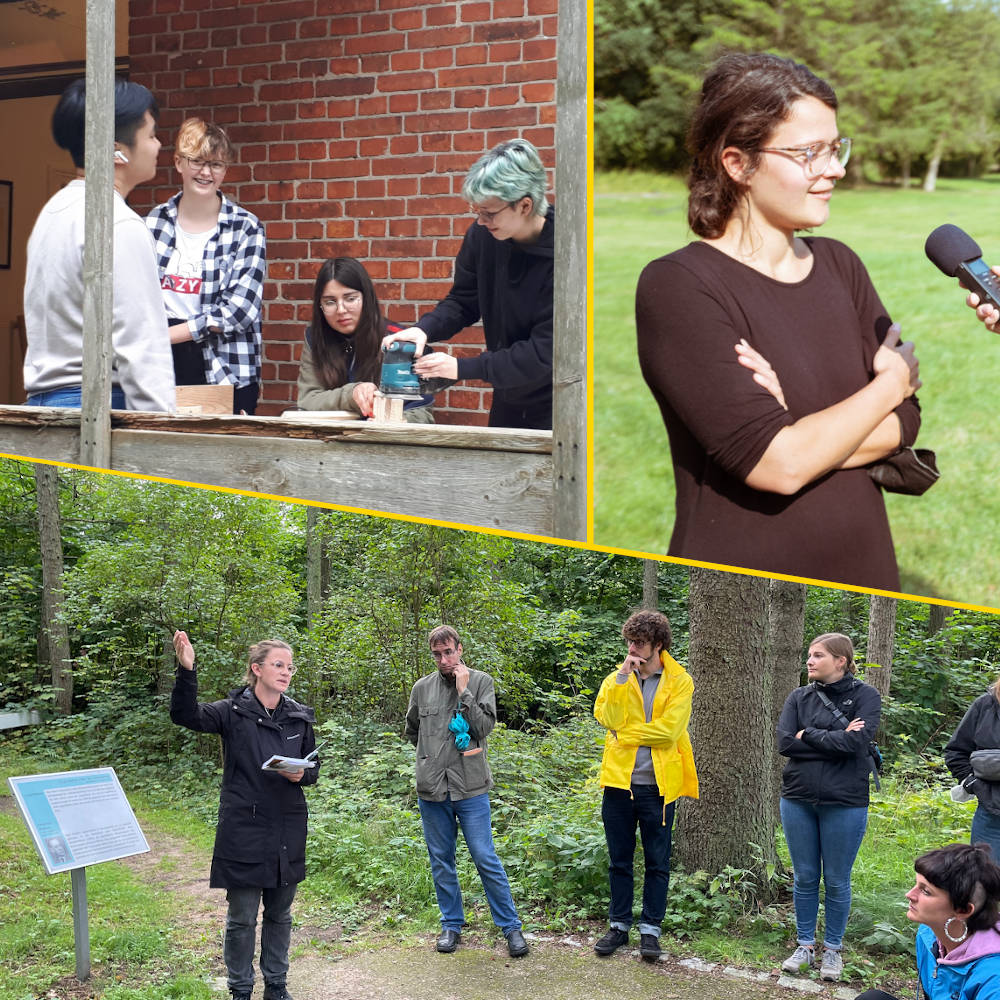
[(331, 349), (132, 101), (960, 870)]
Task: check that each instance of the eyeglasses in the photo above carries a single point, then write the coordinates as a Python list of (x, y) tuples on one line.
[(281, 665), (816, 157), (483, 216), (351, 300), (216, 166)]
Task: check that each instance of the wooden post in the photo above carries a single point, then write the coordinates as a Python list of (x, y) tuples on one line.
[(81, 924), (387, 409), (569, 407), (98, 250)]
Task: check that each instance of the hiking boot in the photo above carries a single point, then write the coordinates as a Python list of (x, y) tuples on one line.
[(611, 941), (276, 992), (832, 967), (448, 940), (649, 947), (241, 994), (516, 944), (802, 958)]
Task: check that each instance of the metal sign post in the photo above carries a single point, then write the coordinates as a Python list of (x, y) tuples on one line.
[(78, 818)]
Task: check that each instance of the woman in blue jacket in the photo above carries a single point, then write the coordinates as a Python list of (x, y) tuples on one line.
[(956, 901)]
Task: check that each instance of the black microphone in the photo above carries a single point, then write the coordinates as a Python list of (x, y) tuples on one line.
[(956, 253)]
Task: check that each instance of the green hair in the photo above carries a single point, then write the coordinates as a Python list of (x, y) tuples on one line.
[(511, 171)]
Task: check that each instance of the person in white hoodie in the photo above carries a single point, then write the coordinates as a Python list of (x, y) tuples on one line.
[(142, 373)]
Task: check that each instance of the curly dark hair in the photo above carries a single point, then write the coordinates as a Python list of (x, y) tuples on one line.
[(648, 626), (744, 98), (965, 871)]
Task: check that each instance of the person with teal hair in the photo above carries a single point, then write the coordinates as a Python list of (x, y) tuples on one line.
[(504, 277)]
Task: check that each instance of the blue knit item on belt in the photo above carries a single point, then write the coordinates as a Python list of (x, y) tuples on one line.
[(460, 728)]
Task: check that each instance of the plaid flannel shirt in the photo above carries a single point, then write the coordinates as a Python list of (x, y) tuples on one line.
[(235, 266)]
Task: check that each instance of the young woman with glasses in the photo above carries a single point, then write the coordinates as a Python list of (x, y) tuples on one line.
[(212, 259), (778, 372), (260, 839), (341, 359)]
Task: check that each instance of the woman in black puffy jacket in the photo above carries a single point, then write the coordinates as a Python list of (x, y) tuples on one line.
[(973, 757), (260, 840), (825, 730)]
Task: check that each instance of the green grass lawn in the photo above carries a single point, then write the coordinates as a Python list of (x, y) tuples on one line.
[(945, 540)]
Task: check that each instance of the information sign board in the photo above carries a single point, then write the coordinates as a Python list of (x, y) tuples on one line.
[(78, 818)]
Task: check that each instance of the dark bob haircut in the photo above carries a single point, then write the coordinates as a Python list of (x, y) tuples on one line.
[(132, 101), (965, 872), (744, 98)]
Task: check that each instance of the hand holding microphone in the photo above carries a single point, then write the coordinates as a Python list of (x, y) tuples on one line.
[(958, 255)]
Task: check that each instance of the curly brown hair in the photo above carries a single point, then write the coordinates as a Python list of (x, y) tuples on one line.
[(648, 626)]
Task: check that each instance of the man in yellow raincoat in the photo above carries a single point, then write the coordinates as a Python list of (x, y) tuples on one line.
[(645, 706)]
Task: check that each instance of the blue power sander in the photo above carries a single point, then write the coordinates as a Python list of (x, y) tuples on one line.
[(398, 377)]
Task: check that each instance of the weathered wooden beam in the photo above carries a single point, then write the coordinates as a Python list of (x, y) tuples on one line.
[(304, 426), (569, 413), (435, 473), (98, 249)]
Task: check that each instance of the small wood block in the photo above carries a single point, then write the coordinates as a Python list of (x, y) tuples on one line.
[(211, 398), (387, 409)]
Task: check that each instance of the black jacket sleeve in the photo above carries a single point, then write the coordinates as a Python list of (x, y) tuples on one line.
[(210, 717), (963, 743)]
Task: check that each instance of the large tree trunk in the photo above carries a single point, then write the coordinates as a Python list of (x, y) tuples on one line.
[(55, 635), (881, 637), (786, 610), (650, 586), (730, 726)]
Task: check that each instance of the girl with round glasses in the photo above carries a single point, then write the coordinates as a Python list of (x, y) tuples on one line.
[(341, 359), (211, 255), (778, 372)]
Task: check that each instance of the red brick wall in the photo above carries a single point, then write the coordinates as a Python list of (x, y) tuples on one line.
[(355, 122)]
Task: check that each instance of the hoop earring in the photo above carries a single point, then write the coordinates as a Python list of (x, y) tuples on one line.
[(965, 931)]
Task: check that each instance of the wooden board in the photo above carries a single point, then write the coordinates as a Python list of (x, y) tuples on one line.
[(477, 476)]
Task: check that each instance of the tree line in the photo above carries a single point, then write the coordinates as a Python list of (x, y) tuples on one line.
[(913, 93), (99, 570)]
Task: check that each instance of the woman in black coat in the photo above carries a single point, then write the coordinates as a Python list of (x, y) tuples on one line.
[(973, 757), (824, 793), (260, 841)]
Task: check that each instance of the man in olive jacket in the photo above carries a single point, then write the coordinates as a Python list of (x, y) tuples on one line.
[(451, 712)]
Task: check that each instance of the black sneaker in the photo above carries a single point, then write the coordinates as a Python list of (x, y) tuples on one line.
[(276, 993), (241, 994), (611, 942), (649, 947)]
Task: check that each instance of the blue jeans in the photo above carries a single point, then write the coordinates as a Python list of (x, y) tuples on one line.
[(440, 821), (822, 840), (986, 830), (275, 935), (622, 812), (71, 396)]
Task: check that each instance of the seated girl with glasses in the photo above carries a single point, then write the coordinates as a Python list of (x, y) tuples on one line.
[(212, 260), (342, 356), (778, 372)]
